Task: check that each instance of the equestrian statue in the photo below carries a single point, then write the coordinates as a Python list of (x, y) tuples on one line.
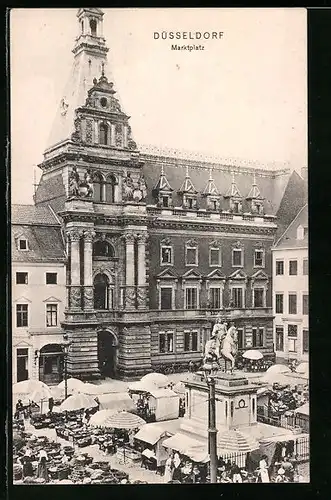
[(223, 343)]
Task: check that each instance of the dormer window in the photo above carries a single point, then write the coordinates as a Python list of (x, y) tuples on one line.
[(23, 244), (93, 26), (165, 201), (103, 134), (103, 102)]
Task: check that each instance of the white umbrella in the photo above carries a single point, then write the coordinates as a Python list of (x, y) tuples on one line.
[(98, 419), (91, 389), (278, 368), (158, 379), (73, 384), (303, 368), (253, 354), (78, 402), (179, 388), (124, 420), (141, 386), (40, 394), (280, 378), (28, 386)]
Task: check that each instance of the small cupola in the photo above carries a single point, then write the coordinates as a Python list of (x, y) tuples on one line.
[(255, 199), (211, 194), (162, 191), (234, 197), (188, 193)]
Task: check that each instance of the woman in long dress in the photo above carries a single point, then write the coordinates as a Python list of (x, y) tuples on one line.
[(42, 471), (263, 470), (169, 468)]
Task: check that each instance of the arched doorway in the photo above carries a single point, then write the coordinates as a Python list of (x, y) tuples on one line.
[(107, 347), (51, 364)]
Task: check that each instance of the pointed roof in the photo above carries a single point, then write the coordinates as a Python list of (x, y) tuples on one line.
[(162, 183), (167, 273), (210, 188), (259, 275), (187, 186), (289, 237), (216, 274), (92, 10), (239, 274), (233, 191), (192, 274), (254, 193)]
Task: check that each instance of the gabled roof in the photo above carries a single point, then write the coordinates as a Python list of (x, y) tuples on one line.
[(211, 188), (192, 274), (162, 183), (187, 186), (239, 274), (254, 193), (33, 215), (289, 238), (233, 191), (216, 274), (260, 275)]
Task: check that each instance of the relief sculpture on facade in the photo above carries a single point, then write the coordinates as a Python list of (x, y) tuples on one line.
[(78, 187), (75, 297), (130, 297)]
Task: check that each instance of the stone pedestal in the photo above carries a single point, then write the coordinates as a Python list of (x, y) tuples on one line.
[(82, 361), (134, 355)]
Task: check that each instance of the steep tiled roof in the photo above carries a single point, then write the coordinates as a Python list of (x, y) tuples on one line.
[(289, 238), (39, 226), (31, 214)]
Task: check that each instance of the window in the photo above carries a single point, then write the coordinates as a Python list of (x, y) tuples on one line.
[(189, 202), (191, 298), (21, 315), (237, 257), (292, 303), (237, 297), (191, 256), (293, 267), (214, 256), (213, 205), (103, 102), (259, 258), (98, 187), (258, 297), (305, 341), (51, 278), (292, 334), (51, 315), (279, 338), (166, 255), (166, 342), (240, 333), (165, 201), (305, 267), (21, 278), (279, 303), (23, 244), (191, 341), (110, 189), (305, 304), (93, 26), (305, 232), (102, 292), (258, 337), (166, 298), (103, 134), (103, 249), (279, 267), (215, 297), (22, 357)]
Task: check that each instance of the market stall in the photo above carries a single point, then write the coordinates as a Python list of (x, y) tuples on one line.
[(151, 437), (164, 404), (116, 401)]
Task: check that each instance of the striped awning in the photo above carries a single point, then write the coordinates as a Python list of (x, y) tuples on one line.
[(236, 441), (124, 420)]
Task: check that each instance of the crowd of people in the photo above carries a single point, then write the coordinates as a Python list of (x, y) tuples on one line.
[(285, 398)]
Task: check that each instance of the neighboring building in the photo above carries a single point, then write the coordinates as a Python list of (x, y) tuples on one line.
[(38, 294), (290, 290), (156, 245)]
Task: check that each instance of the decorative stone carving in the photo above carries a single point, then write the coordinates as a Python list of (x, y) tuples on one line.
[(130, 297), (89, 131), (74, 234), (64, 106), (118, 135), (129, 237), (89, 235), (131, 143), (88, 182), (76, 136), (142, 238), (75, 296), (80, 188), (128, 187), (88, 297), (74, 182), (141, 296)]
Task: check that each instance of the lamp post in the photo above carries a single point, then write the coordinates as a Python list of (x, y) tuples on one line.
[(212, 431), (66, 343)]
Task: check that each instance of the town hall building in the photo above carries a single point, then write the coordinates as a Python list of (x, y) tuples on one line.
[(155, 245)]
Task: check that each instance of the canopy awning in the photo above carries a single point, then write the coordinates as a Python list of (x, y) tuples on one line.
[(182, 443), (150, 434), (304, 409), (148, 453), (162, 393)]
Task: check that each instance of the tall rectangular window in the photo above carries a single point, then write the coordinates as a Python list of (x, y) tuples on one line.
[(305, 304), (292, 337), (166, 342), (240, 332), (191, 298), (293, 267), (22, 359), (292, 303), (51, 315), (258, 337), (215, 297), (21, 315), (191, 341), (279, 303), (279, 338), (237, 297), (166, 255), (259, 258), (279, 267), (305, 341), (214, 257), (166, 298), (191, 256), (21, 278), (237, 257), (305, 267), (258, 297), (51, 278)]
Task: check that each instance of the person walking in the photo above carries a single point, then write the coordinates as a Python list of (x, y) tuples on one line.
[(169, 468), (263, 475), (50, 405), (42, 471)]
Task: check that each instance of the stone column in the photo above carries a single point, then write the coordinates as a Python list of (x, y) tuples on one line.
[(130, 295), (125, 140), (112, 135), (88, 270), (142, 286), (75, 289)]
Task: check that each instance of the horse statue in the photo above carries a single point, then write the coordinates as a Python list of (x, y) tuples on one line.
[(229, 347), (222, 344)]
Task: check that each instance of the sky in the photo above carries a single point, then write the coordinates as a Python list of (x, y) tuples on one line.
[(244, 96)]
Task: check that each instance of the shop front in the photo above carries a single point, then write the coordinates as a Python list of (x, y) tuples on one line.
[(51, 364)]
